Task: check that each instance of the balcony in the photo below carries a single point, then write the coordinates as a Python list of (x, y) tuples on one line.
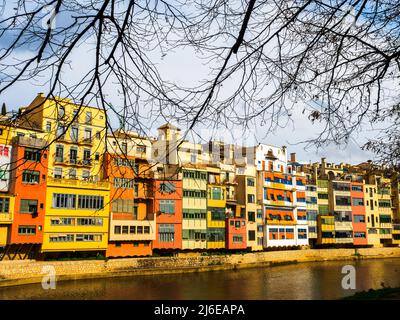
[(78, 183), (30, 142), (86, 141), (73, 162), (132, 229), (343, 225), (6, 218)]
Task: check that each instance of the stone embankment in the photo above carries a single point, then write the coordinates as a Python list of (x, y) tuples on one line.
[(30, 271)]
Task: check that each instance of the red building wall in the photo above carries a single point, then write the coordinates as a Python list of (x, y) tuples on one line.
[(358, 210), (162, 218), (126, 248), (235, 227), (28, 191)]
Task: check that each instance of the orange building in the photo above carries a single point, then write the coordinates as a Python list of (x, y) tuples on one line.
[(359, 214), (28, 184), (168, 206), (236, 231), (132, 220)]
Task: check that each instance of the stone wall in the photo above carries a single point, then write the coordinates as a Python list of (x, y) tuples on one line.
[(30, 271)]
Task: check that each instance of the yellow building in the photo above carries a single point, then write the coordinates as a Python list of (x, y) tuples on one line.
[(216, 210), (194, 208), (247, 196), (77, 206), (326, 229)]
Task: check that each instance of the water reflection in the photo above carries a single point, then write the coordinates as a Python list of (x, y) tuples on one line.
[(320, 280)]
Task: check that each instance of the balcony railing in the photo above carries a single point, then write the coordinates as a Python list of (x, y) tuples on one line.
[(6, 218), (77, 183)]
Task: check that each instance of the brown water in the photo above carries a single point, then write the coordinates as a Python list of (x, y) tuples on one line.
[(318, 280)]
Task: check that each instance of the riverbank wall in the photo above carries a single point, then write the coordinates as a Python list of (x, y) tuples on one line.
[(29, 271)]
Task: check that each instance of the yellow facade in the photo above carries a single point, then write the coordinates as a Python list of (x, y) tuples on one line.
[(194, 208), (76, 138), (212, 202), (53, 229), (6, 219), (326, 225)]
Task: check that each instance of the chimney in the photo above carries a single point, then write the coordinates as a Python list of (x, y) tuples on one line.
[(293, 157)]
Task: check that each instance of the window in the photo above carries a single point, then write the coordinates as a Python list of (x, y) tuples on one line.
[(237, 239), (216, 193), (251, 216), (4, 205), (28, 206), (141, 149), (125, 230), (322, 196), (88, 135), (58, 173), (312, 229), (117, 229), (86, 156), (61, 112), (251, 198), (167, 187), (90, 202), (97, 156), (357, 201), (357, 188), (167, 206), (146, 229), (252, 235), (30, 176), (193, 158), (73, 155), (59, 153), (62, 221), (74, 133), (26, 230), (72, 173), (48, 126), (359, 235), (88, 117), (218, 214), (359, 219), (89, 221), (32, 155), (85, 174), (343, 201), (166, 232), (123, 183), (124, 148), (384, 204), (123, 205), (61, 238), (132, 229), (3, 175), (61, 200), (250, 182), (312, 215), (215, 234), (88, 238), (340, 186), (98, 135)]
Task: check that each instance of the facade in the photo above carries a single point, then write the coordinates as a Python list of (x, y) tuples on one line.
[(194, 208), (29, 186), (68, 187), (132, 218), (77, 200)]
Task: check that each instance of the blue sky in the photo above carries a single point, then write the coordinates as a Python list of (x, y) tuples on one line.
[(186, 68)]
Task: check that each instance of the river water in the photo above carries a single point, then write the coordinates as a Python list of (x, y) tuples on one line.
[(316, 280)]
